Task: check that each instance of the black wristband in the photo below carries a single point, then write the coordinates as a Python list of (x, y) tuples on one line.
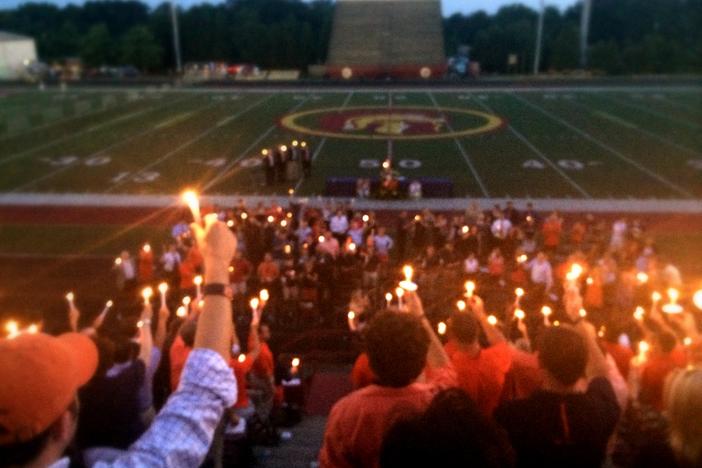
[(215, 289)]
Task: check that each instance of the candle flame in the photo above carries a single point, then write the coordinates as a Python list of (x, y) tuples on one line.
[(163, 287), (264, 295), (492, 320), (639, 313), (197, 280), (254, 303), (351, 315), (441, 328), (519, 314), (519, 292), (461, 305), (295, 362), (408, 271), (181, 312), (546, 311), (146, 293), (70, 296), (241, 358)]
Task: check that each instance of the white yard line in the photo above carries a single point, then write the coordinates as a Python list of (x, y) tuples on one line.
[(540, 154), (679, 190), (660, 115), (193, 140), (321, 144), (650, 206), (118, 143), (108, 123), (462, 150), (630, 125), (65, 120), (230, 168)]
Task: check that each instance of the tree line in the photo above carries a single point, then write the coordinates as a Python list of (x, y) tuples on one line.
[(627, 36)]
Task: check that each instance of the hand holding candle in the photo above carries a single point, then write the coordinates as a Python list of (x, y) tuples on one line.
[(198, 286), (163, 288), (546, 311), (470, 288), (388, 299), (351, 318), (146, 293)]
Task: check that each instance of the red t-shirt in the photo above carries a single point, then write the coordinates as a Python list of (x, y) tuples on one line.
[(264, 366), (622, 356), (362, 375), (483, 376), (242, 269), (358, 422), (179, 354), (654, 372), (241, 369), (524, 376)]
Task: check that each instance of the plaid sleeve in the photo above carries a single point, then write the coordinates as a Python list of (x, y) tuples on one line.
[(182, 432)]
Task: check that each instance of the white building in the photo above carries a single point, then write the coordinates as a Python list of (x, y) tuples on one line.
[(16, 52)]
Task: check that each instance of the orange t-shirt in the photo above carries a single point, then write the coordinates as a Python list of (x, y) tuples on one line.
[(263, 366), (362, 375), (179, 354), (358, 422), (483, 376), (241, 369), (268, 272), (551, 231)]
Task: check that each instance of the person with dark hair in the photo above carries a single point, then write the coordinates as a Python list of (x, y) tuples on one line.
[(481, 371), (559, 425), (452, 432), (399, 346)]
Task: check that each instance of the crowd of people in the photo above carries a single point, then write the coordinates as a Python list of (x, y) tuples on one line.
[(498, 337)]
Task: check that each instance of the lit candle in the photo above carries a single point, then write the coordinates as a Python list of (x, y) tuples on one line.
[(241, 358), (291, 191), (519, 314), (270, 219), (244, 215), (70, 297), (352, 247), (687, 341), (198, 285), (146, 293), (656, 297), (582, 313), (575, 271), (284, 223), (642, 277), (230, 223), (643, 351), (492, 320), (407, 284), (33, 329), (12, 328), (546, 311), (294, 365), (181, 312), (697, 299), (461, 305), (263, 295), (320, 239), (388, 300), (399, 292), (518, 293), (105, 310), (191, 199), (673, 307), (146, 248), (253, 303), (589, 281), (441, 328), (639, 313), (522, 258), (470, 288), (118, 261), (186, 303), (365, 218), (465, 229), (162, 288), (351, 317)]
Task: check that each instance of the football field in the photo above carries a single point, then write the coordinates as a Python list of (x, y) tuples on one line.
[(598, 143)]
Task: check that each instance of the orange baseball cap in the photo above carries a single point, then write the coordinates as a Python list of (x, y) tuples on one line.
[(40, 375)]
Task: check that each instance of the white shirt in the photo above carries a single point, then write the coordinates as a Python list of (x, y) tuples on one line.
[(471, 265), (338, 224), (170, 260), (501, 227), (541, 273), (128, 270), (382, 243)]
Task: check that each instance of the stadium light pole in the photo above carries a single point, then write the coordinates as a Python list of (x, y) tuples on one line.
[(539, 39), (584, 31), (176, 37)]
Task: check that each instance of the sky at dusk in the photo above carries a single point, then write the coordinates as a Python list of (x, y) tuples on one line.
[(449, 6)]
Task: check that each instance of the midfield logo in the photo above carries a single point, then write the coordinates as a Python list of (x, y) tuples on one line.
[(400, 123)]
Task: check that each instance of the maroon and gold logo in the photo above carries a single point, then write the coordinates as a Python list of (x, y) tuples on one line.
[(403, 123)]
